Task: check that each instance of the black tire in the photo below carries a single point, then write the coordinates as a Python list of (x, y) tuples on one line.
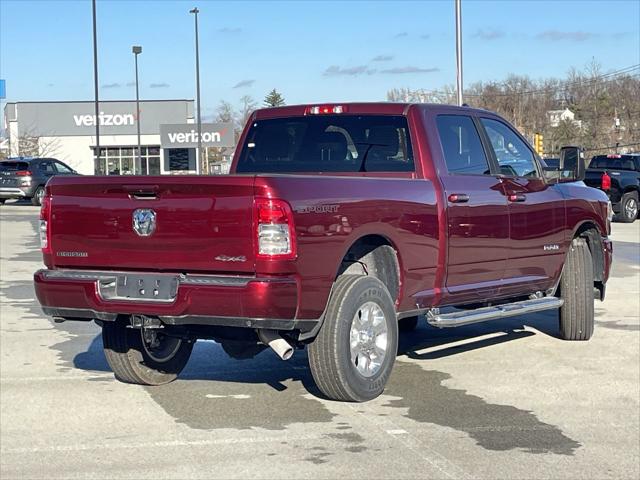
[(330, 356), (408, 324), (131, 361), (37, 196), (576, 289), (628, 208), (2, 200)]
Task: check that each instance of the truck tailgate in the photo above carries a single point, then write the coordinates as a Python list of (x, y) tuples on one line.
[(202, 224)]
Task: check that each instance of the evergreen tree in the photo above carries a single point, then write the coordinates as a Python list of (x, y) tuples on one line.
[(274, 99)]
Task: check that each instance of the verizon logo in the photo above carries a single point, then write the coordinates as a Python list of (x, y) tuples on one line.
[(192, 137), (106, 119)]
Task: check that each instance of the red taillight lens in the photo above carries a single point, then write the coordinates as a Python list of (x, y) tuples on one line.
[(274, 229), (605, 181), (45, 224), (23, 173)]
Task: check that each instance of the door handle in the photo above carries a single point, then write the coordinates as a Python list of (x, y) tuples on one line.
[(458, 198), (517, 197)]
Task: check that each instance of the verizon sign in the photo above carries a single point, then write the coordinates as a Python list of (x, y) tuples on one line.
[(185, 135), (105, 119)]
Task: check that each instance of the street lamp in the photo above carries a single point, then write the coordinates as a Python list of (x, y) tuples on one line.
[(96, 167), (137, 50), (459, 50), (195, 12)]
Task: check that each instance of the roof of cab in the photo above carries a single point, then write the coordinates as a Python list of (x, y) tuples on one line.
[(372, 108)]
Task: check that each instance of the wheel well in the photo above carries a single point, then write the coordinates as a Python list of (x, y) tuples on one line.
[(591, 234), (374, 255)]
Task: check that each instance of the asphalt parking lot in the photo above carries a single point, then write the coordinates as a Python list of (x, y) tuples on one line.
[(506, 399)]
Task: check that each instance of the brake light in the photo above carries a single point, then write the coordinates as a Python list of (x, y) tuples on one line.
[(45, 224), (23, 173), (605, 182), (614, 156), (274, 229), (325, 109)]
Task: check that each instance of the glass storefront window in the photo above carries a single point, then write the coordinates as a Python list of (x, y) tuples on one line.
[(122, 160)]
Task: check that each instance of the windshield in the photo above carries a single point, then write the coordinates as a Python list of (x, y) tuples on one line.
[(13, 166), (327, 143)]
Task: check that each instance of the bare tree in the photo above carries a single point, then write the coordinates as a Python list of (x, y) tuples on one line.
[(31, 145)]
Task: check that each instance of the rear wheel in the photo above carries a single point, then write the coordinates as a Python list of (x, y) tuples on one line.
[(353, 355), (629, 207), (576, 289), (38, 196), (144, 356), (2, 200)]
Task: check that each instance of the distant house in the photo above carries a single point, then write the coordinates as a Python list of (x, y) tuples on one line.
[(557, 116)]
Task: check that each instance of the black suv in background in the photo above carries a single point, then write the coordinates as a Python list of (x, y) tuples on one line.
[(618, 176), (24, 177)]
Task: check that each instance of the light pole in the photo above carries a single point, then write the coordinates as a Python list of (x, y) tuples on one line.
[(137, 50), (95, 85), (459, 50), (195, 12)]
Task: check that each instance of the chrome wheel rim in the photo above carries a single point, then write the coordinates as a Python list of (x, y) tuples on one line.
[(368, 339), (40, 195), (631, 208), (158, 346)]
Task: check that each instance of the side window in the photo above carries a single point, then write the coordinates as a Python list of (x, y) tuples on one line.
[(513, 155), (461, 145), (46, 167), (62, 168)]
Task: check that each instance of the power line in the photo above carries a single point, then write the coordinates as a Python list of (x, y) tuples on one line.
[(607, 77)]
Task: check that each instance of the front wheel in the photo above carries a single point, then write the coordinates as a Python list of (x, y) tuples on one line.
[(144, 356), (352, 357), (576, 289)]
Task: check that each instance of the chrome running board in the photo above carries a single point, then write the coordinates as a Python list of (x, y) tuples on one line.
[(466, 317)]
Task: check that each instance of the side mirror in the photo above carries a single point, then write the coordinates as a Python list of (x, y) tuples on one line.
[(572, 164)]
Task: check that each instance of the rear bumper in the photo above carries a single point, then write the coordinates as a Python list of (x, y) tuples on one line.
[(15, 192), (249, 302)]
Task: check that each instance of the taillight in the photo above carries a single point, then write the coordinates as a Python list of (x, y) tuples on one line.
[(605, 182), (274, 229), (45, 225), (23, 173)]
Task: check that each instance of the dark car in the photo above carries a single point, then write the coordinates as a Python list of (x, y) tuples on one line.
[(24, 177), (618, 175)]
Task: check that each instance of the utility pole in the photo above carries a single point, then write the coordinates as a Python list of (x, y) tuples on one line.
[(459, 50), (195, 12), (95, 82), (137, 50)]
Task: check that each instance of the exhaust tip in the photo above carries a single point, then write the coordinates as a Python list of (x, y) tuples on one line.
[(279, 345)]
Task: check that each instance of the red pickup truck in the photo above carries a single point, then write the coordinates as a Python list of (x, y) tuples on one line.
[(338, 226)]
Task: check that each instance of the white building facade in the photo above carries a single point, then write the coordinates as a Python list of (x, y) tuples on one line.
[(66, 131)]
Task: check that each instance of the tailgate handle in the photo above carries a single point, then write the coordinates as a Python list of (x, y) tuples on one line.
[(142, 192)]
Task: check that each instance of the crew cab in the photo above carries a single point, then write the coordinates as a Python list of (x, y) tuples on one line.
[(618, 176), (338, 226)]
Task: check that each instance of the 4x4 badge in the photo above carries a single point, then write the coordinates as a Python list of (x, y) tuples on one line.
[(144, 221)]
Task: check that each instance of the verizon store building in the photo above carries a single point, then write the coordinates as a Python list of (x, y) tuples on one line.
[(66, 131)]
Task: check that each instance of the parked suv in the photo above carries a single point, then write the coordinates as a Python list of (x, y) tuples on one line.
[(24, 177)]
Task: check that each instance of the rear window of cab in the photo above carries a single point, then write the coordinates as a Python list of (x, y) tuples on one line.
[(328, 143)]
